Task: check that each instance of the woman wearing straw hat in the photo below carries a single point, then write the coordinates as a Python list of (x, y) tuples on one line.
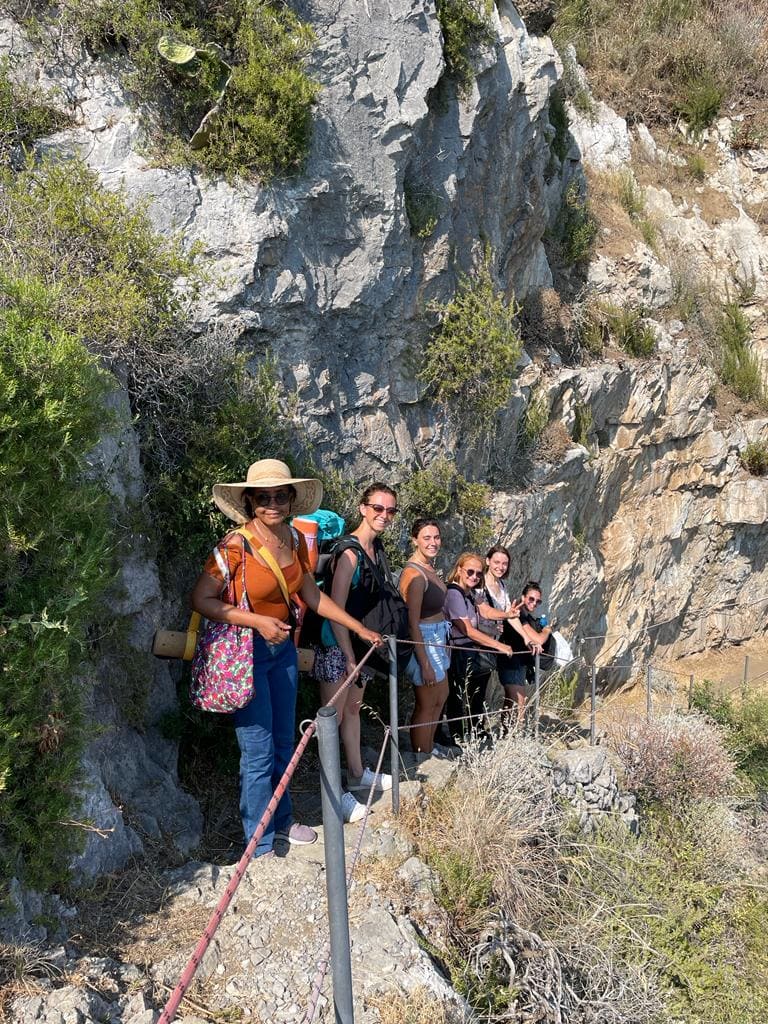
[(265, 726)]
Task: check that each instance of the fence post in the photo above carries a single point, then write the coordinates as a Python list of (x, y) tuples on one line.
[(592, 704), (745, 679), (335, 866), (394, 735), (648, 671), (690, 692), (536, 694)]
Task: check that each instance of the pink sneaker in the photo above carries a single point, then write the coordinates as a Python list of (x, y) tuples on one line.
[(298, 835)]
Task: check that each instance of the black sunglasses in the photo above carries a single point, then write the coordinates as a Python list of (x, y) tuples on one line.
[(263, 499), (473, 572)]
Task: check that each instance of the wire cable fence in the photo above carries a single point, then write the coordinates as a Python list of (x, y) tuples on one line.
[(577, 713)]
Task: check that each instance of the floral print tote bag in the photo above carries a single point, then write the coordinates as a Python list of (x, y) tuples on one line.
[(222, 666)]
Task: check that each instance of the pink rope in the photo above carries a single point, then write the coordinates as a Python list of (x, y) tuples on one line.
[(170, 1008)]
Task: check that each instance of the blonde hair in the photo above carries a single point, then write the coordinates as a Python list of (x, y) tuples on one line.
[(461, 561)]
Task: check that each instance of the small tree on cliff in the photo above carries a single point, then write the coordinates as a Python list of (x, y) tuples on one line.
[(470, 359)]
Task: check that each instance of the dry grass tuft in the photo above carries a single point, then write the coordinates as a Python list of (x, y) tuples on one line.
[(674, 759), (419, 1006)]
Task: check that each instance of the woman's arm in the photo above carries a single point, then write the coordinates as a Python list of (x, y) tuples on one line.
[(325, 606), (465, 626), (518, 627), (206, 599), (537, 636), (413, 586)]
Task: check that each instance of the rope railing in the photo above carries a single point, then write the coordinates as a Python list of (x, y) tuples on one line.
[(390, 738), (187, 975)]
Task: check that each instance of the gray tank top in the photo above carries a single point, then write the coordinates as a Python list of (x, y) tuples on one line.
[(434, 594)]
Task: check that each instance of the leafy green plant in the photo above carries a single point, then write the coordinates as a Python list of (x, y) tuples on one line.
[(473, 502), (471, 357), (57, 543), (575, 228), (629, 193), (535, 419), (700, 101), (422, 207), (26, 114), (696, 166), (248, 114), (649, 232), (746, 728), (737, 364), (630, 331), (558, 118), (754, 458), (583, 424), (466, 27)]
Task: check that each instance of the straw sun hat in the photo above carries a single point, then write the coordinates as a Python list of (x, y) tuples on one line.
[(230, 498)]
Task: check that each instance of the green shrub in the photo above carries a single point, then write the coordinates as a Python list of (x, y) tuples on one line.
[(263, 98), (755, 458), (535, 419), (738, 366), (649, 232), (696, 166), (466, 26), (746, 728), (471, 357), (473, 502), (674, 915), (630, 332), (422, 207), (629, 193), (56, 558), (700, 101), (109, 277), (558, 118), (583, 424), (26, 114), (575, 228), (220, 441)]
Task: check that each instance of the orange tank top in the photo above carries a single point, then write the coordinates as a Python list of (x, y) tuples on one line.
[(264, 594)]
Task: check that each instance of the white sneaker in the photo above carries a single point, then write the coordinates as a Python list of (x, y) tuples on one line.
[(368, 778), (352, 809)]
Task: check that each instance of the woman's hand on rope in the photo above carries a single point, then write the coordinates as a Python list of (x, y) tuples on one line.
[(535, 648), (374, 639), (273, 630)]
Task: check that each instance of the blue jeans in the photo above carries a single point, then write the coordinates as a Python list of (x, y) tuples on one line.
[(265, 733)]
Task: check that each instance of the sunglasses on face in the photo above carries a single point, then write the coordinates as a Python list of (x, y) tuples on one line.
[(536, 601), (263, 499), (473, 572), (380, 510)]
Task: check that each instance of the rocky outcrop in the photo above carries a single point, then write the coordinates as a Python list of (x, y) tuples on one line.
[(646, 532), (587, 780)]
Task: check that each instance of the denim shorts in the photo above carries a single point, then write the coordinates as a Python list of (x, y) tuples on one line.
[(433, 634)]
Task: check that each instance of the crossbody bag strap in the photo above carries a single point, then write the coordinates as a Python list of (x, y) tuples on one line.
[(272, 564)]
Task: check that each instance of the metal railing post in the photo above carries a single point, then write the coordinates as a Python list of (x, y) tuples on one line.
[(690, 692), (592, 704), (394, 738), (536, 694), (335, 865), (745, 678), (648, 671)]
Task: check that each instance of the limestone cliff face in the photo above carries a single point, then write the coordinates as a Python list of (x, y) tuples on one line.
[(656, 521)]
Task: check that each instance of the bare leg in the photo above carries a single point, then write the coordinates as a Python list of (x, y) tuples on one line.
[(348, 710), (514, 697), (429, 704)]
